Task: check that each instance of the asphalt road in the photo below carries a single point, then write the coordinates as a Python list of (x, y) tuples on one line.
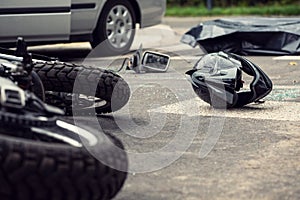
[(180, 148)]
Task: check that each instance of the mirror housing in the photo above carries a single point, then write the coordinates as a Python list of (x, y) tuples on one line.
[(155, 62)]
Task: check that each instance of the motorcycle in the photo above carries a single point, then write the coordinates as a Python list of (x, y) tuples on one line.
[(43, 156)]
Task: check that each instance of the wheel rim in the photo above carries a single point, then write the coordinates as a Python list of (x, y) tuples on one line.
[(119, 25)]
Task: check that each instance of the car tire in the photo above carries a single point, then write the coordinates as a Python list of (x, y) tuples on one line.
[(115, 35)]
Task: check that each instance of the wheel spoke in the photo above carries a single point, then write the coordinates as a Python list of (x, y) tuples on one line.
[(111, 37), (125, 38), (119, 38), (127, 17), (112, 15), (128, 27), (110, 26), (119, 11)]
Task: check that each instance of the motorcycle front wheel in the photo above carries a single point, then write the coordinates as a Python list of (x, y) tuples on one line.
[(58, 77)]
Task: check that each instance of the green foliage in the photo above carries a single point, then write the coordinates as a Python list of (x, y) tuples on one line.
[(229, 3), (235, 10)]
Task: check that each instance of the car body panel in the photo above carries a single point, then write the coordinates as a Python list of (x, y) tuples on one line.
[(34, 20), (152, 12), (84, 19)]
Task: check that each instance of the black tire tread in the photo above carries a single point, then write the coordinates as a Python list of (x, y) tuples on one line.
[(60, 77), (38, 171)]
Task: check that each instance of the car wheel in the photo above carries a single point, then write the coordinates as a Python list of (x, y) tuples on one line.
[(116, 28)]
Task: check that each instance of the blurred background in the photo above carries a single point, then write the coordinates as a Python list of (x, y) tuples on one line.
[(232, 7)]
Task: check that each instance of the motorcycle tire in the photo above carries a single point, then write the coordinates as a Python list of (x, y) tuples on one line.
[(61, 77), (48, 169)]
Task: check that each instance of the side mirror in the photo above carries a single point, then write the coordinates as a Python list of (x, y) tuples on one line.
[(155, 62)]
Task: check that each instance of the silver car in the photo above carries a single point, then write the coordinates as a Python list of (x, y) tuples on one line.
[(109, 22)]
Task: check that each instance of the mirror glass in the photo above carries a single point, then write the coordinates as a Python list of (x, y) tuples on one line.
[(156, 62)]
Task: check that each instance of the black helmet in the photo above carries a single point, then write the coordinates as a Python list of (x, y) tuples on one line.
[(217, 79)]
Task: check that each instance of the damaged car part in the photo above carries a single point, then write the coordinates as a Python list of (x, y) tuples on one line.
[(217, 79), (147, 62)]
